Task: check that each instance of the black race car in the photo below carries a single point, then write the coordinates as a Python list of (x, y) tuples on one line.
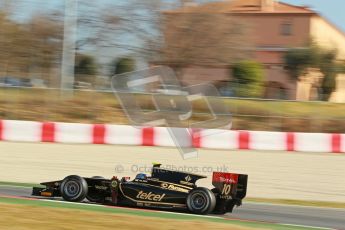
[(164, 189)]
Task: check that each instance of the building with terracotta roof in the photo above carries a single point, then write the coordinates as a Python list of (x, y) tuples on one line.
[(275, 27)]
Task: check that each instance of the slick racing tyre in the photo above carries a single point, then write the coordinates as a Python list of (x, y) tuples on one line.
[(74, 188), (201, 201), (93, 195), (220, 208)]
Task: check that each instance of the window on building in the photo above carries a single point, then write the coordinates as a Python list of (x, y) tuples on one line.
[(286, 29)]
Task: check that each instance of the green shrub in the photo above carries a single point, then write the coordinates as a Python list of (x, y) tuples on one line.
[(249, 79)]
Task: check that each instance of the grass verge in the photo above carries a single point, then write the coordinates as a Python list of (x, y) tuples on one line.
[(101, 107), (40, 214), (14, 216)]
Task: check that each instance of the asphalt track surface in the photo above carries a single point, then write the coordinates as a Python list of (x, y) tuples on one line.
[(330, 218)]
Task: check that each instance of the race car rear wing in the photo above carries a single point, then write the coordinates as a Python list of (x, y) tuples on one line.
[(230, 185)]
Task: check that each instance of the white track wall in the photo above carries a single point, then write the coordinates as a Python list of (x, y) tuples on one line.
[(28, 131)]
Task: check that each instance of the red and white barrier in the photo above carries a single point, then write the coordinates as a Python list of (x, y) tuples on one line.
[(26, 131), (118, 134), (217, 139), (29, 131)]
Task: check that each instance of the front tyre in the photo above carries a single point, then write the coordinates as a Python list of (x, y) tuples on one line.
[(201, 201), (74, 188)]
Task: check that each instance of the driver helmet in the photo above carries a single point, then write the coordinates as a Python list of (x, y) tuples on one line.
[(141, 176)]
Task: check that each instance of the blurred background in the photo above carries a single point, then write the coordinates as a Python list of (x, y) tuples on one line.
[(278, 66)]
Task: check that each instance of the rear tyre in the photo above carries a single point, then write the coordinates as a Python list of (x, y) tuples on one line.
[(220, 208), (201, 201), (73, 188), (95, 196)]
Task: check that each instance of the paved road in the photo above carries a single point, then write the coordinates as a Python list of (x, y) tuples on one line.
[(295, 215), (281, 175)]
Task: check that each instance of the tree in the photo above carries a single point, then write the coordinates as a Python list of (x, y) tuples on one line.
[(32, 47), (204, 38), (298, 60), (46, 40), (249, 79), (85, 68), (128, 26), (327, 64), (141, 28), (328, 85), (122, 65)]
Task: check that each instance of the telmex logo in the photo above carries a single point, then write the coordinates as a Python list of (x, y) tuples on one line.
[(150, 196), (226, 180)]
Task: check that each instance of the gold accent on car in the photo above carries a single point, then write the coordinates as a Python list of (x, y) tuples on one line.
[(155, 202), (150, 196)]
